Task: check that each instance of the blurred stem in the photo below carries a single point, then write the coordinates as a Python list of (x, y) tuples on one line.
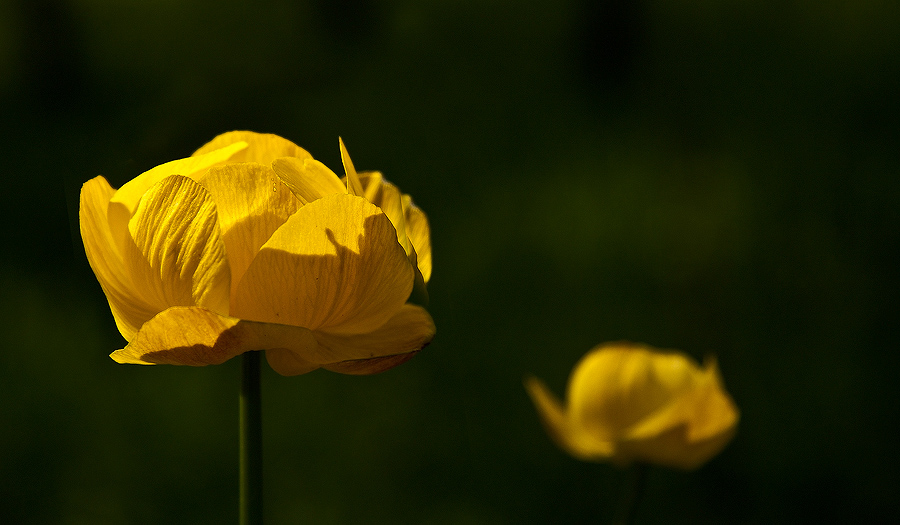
[(632, 493), (250, 441)]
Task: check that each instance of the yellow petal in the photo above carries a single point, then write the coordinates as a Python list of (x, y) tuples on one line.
[(386, 196), (130, 194), (371, 182), (308, 179), (374, 365), (262, 147), (354, 187), (411, 224), (177, 257), (288, 363), (394, 343), (692, 429), (702, 411), (252, 203), (419, 234), (616, 385), (559, 426), (334, 265), (196, 337), (549, 409), (409, 330), (128, 307), (673, 448)]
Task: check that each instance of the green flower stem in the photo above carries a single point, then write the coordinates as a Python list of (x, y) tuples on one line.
[(250, 441), (631, 496)]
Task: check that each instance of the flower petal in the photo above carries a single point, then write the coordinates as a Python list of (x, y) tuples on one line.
[(196, 337), (128, 308), (288, 363), (354, 187), (394, 343), (411, 224), (617, 385), (252, 203), (334, 265), (704, 411), (131, 192), (374, 365), (672, 448), (559, 426), (308, 179), (410, 330), (386, 196), (262, 147), (177, 257), (419, 235)]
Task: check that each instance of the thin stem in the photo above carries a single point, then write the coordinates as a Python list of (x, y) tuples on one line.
[(631, 496), (250, 441)]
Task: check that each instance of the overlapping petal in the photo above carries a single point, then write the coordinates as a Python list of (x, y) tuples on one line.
[(387, 197), (340, 258), (410, 329), (396, 342), (175, 255), (419, 235), (252, 203), (308, 179), (196, 336), (622, 385), (128, 307)]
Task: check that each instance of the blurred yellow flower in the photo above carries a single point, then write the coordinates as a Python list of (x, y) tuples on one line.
[(251, 244), (630, 402)]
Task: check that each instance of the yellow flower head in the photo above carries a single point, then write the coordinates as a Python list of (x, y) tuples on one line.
[(630, 402), (251, 244)]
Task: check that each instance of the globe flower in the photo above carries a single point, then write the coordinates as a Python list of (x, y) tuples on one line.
[(633, 403), (251, 244)]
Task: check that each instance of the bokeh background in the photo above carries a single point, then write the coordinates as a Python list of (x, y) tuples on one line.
[(714, 176)]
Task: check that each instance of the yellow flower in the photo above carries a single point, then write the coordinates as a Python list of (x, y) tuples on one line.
[(630, 402), (251, 244)]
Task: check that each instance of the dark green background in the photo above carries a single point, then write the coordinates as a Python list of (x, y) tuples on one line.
[(714, 176)]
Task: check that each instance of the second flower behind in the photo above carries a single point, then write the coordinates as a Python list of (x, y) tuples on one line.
[(633, 403)]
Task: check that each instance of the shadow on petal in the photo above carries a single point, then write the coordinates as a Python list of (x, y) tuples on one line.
[(195, 336)]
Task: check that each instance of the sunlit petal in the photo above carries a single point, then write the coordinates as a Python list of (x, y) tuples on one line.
[(354, 187), (419, 233), (334, 265), (308, 179), (261, 147), (252, 203), (128, 307), (177, 257)]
